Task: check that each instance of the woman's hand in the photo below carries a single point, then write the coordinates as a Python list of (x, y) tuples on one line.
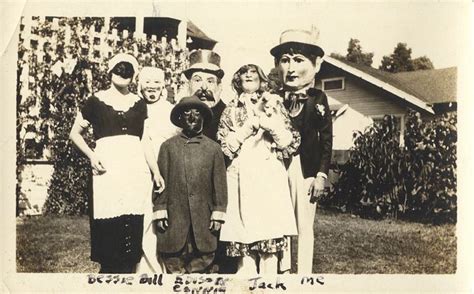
[(160, 183), (97, 167)]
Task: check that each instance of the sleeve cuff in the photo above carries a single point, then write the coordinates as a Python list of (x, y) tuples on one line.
[(218, 216), (160, 214), (321, 174)]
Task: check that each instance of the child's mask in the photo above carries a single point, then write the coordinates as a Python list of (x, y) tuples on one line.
[(192, 122)]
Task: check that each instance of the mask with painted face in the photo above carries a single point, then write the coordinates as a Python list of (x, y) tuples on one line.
[(206, 87), (297, 70), (151, 81), (192, 122)]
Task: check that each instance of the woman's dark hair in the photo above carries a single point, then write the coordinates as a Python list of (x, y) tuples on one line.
[(123, 69), (298, 49), (237, 82)]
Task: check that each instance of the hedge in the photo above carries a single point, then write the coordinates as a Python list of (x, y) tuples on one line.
[(416, 181)]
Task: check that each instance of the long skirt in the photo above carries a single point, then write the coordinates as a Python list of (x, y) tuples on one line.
[(259, 206), (119, 201)]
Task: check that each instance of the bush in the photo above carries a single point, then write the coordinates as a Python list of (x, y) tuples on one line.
[(71, 183), (417, 181)]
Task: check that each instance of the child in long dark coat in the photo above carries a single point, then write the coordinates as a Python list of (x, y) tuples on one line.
[(191, 209)]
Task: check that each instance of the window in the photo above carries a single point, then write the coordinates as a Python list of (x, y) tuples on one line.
[(333, 84)]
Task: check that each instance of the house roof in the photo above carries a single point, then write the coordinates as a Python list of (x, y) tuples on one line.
[(194, 31), (433, 86), (422, 88)]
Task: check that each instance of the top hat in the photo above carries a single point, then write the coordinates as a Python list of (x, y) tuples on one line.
[(298, 38), (187, 103), (206, 61), (123, 57)]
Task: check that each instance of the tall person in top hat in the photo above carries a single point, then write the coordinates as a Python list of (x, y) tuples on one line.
[(204, 75), (298, 59)]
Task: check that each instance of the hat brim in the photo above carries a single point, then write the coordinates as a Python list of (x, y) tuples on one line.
[(189, 72), (314, 49), (180, 107)]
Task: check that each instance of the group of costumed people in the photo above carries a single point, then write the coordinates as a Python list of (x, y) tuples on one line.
[(201, 186)]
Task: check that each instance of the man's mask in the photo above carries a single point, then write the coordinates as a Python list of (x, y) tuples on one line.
[(192, 122), (205, 95), (206, 86)]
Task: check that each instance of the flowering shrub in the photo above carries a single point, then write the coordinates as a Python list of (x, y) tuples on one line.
[(61, 61), (417, 181)]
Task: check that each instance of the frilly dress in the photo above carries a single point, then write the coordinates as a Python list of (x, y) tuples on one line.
[(259, 212)]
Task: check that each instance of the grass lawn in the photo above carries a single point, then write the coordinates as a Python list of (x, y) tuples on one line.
[(343, 245)]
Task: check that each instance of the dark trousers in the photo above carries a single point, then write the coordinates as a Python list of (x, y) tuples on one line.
[(189, 259)]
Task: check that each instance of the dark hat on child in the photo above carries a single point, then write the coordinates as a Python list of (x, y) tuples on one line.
[(188, 103)]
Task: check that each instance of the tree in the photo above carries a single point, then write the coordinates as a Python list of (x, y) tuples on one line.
[(356, 55), (422, 62), (400, 60)]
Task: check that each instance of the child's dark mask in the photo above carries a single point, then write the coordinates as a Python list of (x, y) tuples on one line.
[(192, 122)]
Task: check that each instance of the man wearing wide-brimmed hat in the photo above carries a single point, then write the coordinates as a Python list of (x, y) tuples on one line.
[(191, 209), (298, 58), (204, 75)]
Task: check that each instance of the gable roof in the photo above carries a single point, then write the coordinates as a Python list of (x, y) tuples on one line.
[(433, 86), (194, 31), (422, 88)]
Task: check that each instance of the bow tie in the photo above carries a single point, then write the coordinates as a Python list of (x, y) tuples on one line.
[(292, 96), (295, 102)]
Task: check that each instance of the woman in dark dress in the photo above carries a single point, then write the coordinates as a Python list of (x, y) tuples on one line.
[(121, 164)]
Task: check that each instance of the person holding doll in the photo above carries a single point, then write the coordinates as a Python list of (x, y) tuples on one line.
[(255, 133)]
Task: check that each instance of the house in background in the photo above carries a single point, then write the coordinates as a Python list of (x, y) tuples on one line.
[(360, 95), (185, 31)]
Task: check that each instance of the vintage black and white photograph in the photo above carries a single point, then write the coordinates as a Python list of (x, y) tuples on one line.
[(247, 139)]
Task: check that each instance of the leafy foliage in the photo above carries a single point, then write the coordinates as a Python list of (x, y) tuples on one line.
[(422, 63), (355, 54), (70, 185), (417, 181), (400, 60)]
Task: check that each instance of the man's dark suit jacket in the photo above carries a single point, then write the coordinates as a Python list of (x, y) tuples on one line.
[(316, 133), (211, 129)]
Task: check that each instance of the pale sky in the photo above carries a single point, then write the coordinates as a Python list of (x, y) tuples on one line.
[(246, 31)]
